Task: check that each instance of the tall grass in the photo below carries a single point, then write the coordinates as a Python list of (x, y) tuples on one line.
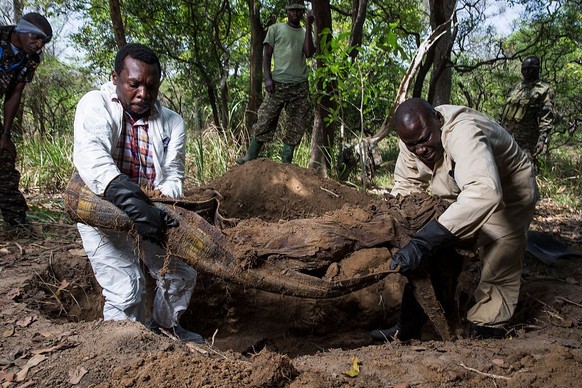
[(208, 155), (45, 164), (560, 176)]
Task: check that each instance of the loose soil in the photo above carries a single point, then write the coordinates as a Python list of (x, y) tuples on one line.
[(52, 334)]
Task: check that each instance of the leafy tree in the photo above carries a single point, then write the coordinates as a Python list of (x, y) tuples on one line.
[(50, 100), (548, 29), (211, 51)]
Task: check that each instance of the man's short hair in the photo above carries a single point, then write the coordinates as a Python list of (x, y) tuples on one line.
[(137, 51)]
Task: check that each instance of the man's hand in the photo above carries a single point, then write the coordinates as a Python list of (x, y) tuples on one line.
[(269, 85), (153, 223), (309, 17), (538, 149), (150, 222), (410, 257), (432, 237), (7, 145)]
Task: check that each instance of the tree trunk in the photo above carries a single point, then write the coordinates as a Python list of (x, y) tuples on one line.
[(222, 15), (358, 18), (440, 84), (117, 21), (258, 34), (422, 73), (224, 91), (212, 99), (323, 135), (17, 5)]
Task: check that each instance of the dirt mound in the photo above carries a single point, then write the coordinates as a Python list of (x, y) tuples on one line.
[(272, 191)]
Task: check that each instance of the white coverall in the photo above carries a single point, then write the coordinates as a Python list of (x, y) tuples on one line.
[(491, 182), (114, 255)]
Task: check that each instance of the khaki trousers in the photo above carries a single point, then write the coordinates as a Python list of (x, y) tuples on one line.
[(497, 294)]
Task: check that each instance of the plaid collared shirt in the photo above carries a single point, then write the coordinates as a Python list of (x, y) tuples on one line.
[(14, 66), (134, 153)]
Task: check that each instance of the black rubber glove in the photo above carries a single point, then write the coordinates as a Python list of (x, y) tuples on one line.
[(150, 221), (432, 237)]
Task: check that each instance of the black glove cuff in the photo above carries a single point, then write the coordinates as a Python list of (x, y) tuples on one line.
[(435, 236), (129, 197), (121, 186)]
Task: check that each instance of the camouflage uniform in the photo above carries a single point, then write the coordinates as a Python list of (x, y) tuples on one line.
[(294, 98), (528, 114), (14, 68), (12, 202)]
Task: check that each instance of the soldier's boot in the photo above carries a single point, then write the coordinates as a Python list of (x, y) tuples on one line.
[(410, 322), (287, 154), (252, 152)]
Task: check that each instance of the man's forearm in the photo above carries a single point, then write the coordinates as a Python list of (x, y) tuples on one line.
[(11, 104), (546, 124)]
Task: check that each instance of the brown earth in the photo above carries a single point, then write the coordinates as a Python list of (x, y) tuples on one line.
[(52, 335)]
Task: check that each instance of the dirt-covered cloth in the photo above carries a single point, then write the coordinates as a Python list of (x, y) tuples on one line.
[(528, 114)]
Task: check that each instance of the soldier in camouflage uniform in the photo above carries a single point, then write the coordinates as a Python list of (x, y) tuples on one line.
[(20, 54), (528, 113), (286, 85)]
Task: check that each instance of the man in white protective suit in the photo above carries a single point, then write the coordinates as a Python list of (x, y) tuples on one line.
[(127, 142)]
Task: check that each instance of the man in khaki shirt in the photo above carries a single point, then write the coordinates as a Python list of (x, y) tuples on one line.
[(459, 154)]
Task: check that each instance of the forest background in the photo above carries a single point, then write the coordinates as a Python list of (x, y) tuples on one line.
[(211, 51)]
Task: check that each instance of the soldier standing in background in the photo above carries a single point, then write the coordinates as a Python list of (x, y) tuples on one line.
[(20, 54), (528, 112), (286, 85)]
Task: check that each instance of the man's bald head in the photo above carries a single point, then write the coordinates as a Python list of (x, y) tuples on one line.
[(418, 125), (414, 115)]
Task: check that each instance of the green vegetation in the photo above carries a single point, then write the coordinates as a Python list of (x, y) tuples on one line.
[(205, 49), (47, 165), (559, 177)]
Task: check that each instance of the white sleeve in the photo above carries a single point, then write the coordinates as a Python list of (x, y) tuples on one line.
[(93, 137), (173, 162)]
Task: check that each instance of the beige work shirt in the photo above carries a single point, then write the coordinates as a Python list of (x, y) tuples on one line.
[(483, 170)]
